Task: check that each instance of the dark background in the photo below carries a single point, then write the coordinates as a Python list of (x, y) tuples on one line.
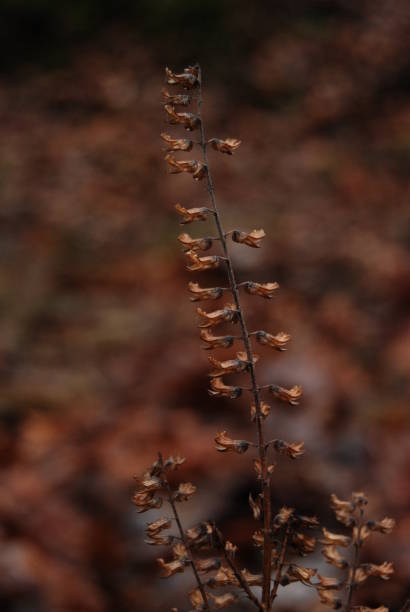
[(100, 365)]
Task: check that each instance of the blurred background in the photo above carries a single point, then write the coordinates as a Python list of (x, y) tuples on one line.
[(100, 364)]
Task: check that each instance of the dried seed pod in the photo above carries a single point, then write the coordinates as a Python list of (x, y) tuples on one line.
[(194, 167), (333, 557), (226, 314), (228, 146), (291, 449), (176, 144), (202, 263), (252, 239), (187, 79), (264, 410), (265, 290), (225, 443), (219, 389), (176, 99), (195, 244), (192, 214), (188, 120), (278, 341), (213, 342), (334, 538), (201, 293), (292, 396)]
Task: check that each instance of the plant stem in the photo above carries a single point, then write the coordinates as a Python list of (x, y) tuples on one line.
[(357, 544), (183, 537), (280, 565), (267, 547)]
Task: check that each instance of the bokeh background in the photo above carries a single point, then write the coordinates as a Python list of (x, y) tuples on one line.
[(100, 365)]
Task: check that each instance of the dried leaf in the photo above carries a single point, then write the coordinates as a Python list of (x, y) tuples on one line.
[(278, 341), (202, 263), (219, 389), (225, 443), (228, 146), (252, 239), (265, 290), (176, 144), (213, 342), (226, 314), (292, 396), (192, 214)]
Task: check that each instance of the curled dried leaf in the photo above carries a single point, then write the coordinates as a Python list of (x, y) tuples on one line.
[(225, 443), (192, 214), (386, 525), (187, 79), (188, 120), (219, 389), (202, 263), (277, 341), (213, 342), (264, 410), (228, 314), (334, 538), (193, 166), (184, 491), (228, 146), (252, 239), (291, 449), (176, 99), (176, 144), (201, 293), (169, 569), (255, 507), (195, 244), (333, 556), (292, 396), (265, 290)]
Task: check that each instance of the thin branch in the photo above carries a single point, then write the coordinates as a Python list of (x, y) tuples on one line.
[(357, 544), (265, 483), (281, 562), (183, 537)]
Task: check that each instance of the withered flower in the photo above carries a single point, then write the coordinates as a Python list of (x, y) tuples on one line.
[(230, 366), (184, 491), (179, 551), (145, 501), (230, 549), (188, 120), (291, 449), (278, 341), (194, 167), (227, 314), (192, 214), (255, 507), (187, 79), (359, 499), (265, 290), (328, 583), (328, 598), (361, 534), (215, 341), (195, 244), (228, 146), (196, 599), (264, 410), (366, 609), (223, 577), (333, 556), (223, 601), (258, 539), (383, 571), (292, 396), (158, 540), (283, 516), (219, 389), (148, 483), (386, 525), (202, 263), (225, 443), (252, 239), (177, 144), (176, 99), (200, 293), (335, 539), (172, 463), (342, 509), (303, 543), (157, 526), (171, 568), (301, 574), (308, 521), (200, 535), (208, 565), (252, 579)]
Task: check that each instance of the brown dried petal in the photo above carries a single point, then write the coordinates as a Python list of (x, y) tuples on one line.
[(292, 396), (308, 521), (278, 341), (176, 144), (283, 517), (171, 568), (226, 314), (225, 443), (186, 79), (202, 263), (194, 167), (334, 538), (196, 599), (215, 341), (265, 290), (219, 389), (159, 540), (172, 463), (228, 146), (231, 365), (145, 502), (201, 293), (333, 556), (258, 538), (192, 214), (252, 239)]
